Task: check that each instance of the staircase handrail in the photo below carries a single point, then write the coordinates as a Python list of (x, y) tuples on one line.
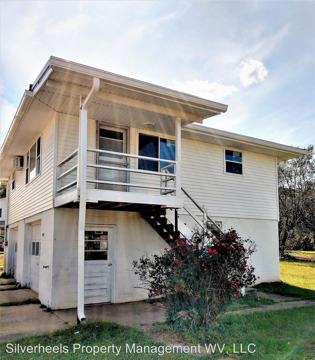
[(202, 210)]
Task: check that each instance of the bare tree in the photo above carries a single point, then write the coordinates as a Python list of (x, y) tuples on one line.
[(297, 202)]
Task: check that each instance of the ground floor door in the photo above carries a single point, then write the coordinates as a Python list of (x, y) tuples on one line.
[(35, 256), (98, 265)]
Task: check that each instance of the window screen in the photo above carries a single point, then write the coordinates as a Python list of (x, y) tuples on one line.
[(233, 162)]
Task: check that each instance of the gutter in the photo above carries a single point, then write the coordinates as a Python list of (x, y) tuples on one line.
[(139, 86), (25, 104), (247, 140)]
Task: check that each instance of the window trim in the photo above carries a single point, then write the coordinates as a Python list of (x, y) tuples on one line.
[(237, 162), (159, 136), (38, 161)]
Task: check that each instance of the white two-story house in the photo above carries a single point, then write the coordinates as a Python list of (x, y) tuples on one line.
[(103, 169)]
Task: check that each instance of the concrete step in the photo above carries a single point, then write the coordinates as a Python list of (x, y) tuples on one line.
[(8, 287), (9, 281)]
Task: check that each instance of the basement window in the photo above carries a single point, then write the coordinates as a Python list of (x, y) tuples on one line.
[(233, 162), (33, 158), (96, 245), (156, 147)]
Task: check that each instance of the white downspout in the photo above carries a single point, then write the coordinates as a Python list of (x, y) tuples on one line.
[(82, 171)]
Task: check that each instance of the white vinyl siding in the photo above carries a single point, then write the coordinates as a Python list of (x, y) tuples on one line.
[(36, 196), (252, 195), (67, 142)]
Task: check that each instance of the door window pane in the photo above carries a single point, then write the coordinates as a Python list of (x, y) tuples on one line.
[(96, 245), (111, 140), (148, 146)]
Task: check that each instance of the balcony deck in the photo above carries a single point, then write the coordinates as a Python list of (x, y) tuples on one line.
[(141, 188)]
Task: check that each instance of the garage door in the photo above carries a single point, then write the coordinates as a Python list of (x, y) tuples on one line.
[(35, 256), (98, 263)]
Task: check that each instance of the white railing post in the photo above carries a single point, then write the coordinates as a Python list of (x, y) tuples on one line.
[(178, 153), (82, 188)]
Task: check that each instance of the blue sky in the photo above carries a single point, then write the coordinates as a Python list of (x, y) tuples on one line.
[(256, 56)]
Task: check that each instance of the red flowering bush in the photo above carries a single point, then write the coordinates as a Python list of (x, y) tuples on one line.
[(198, 276)]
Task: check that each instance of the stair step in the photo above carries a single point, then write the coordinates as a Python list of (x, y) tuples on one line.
[(162, 220), (169, 227), (155, 212)]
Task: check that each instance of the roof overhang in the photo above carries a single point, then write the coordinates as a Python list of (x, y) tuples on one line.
[(62, 84), (242, 142), (67, 79)]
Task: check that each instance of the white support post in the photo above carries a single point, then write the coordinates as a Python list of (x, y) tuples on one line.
[(178, 153), (82, 177), (82, 211)]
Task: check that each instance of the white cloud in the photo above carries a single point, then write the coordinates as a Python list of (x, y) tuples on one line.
[(205, 89), (252, 72)]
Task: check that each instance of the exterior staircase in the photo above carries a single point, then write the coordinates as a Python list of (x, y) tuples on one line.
[(161, 224), (168, 223)]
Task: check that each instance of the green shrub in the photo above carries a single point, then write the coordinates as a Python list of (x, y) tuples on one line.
[(198, 276)]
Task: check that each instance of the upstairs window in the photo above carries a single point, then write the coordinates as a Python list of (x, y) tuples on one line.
[(33, 161), (155, 147), (233, 162), (0, 212), (13, 181)]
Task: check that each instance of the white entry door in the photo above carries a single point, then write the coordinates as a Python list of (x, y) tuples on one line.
[(98, 265), (35, 256), (112, 139)]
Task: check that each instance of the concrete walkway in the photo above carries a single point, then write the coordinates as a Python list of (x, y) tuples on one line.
[(27, 320), (17, 296), (278, 306), (137, 314)]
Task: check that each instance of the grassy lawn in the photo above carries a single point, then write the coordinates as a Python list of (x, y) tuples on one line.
[(297, 280), (283, 334), (291, 341), (303, 255), (300, 274), (92, 334), (244, 302)]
